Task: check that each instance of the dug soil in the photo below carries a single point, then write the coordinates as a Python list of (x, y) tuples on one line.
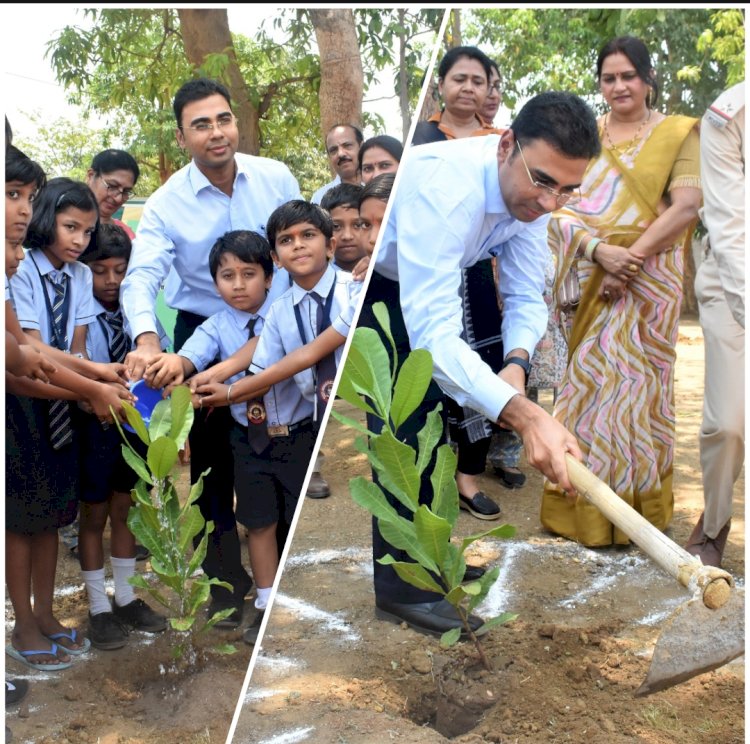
[(564, 671)]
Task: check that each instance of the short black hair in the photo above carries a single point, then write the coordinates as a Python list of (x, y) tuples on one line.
[(563, 121), (108, 161), (460, 52), (58, 194), (379, 187), (637, 52), (248, 246), (111, 242), (294, 212), (21, 168), (197, 90), (390, 144), (357, 132), (342, 195)]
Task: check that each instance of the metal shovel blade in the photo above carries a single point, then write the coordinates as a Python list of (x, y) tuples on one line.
[(695, 640)]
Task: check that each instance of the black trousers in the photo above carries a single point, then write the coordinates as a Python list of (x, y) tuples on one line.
[(388, 585), (210, 448)]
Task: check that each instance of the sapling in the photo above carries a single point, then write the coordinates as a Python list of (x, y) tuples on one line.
[(166, 527), (372, 382)]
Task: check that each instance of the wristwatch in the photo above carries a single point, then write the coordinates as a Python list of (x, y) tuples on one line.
[(521, 362)]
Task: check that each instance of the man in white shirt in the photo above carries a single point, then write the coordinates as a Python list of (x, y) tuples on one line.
[(342, 147), (218, 191), (457, 203), (720, 290)]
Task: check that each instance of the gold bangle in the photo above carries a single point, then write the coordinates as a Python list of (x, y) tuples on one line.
[(229, 394)]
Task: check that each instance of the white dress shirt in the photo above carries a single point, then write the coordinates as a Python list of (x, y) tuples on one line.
[(181, 221), (448, 214)]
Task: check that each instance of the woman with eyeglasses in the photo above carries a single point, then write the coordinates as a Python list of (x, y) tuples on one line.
[(112, 177), (627, 236)]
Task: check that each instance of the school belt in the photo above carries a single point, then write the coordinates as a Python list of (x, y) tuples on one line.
[(284, 430)]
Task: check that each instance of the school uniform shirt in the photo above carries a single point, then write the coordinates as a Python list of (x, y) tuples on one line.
[(182, 220), (27, 286), (281, 334), (448, 214), (100, 333)]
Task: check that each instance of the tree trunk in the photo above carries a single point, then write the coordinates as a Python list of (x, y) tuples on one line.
[(341, 76), (403, 83), (206, 32)]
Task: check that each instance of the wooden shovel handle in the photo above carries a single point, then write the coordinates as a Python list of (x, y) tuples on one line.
[(676, 561)]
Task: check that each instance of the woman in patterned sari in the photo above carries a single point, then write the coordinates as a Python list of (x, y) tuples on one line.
[(627, 238)]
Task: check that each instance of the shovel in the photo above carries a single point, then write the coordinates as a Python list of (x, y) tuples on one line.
[(702, 634)]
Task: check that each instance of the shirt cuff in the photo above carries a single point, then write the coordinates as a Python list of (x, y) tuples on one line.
[(521, 339)]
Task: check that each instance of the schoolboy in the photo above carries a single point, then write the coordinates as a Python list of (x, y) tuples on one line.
[(241, 266), (342, 203), (106, 479)]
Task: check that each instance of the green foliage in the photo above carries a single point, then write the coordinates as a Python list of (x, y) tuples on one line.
[(370, 382), (164, 525), (696, 53)]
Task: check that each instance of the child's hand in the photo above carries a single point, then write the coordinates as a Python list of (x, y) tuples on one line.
[(107, 372), (213, 394), (33, 364), (360, 270), (106, 395), (202, 378), (164, 370)]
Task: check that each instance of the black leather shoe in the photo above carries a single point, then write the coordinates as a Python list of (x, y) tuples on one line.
[(479, 506), (318, 487), (474, 573), (431, 618), (510, 477), (234, 619)]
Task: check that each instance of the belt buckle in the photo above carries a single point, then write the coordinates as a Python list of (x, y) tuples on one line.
[(282, 430)]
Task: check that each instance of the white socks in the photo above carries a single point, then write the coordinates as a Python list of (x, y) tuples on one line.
[(261, 601), (122, 570), (98, 599)]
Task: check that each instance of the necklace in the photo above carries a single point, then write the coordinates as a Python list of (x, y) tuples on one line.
[(631, 145)]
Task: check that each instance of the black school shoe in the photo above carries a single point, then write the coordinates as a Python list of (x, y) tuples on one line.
[(430, 618), (139, 616), (15, 690), (106, 631), (251, 632), (479, 506)]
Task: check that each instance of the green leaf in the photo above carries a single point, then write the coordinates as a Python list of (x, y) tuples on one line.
[(450, 637), (182, 415), (454, 565), (428, 437), (136, 423), (136, 463), (141, 495), (397, 471), (414, 378), (138, 581), (347, 392), (443, 480), (162, 455), (351, 423), (380, 311), (370, 496), (190, 525), (182, 624), (402, 535), (485, 584), (226, 649), (433, 533), (506, 617), (161, 420), (503, 530), (412, 573), (368, 369), (456, 595)]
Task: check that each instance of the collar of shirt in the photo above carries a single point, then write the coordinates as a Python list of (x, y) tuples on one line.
[(240, 318), (46, 267), (199, 181), (323, 287), (494, 202)]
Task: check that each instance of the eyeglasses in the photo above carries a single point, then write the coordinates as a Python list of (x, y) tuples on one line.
[(222, 122), (562, 199), (115, 191)]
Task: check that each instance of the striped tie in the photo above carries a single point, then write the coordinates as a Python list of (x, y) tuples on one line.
[(118, 346), (60, 424)]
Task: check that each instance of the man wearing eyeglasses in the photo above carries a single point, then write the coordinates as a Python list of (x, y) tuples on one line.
[(457, 203), (218, 191)]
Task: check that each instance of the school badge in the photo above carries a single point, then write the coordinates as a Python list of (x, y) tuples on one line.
[(325, 390), (256, 412)]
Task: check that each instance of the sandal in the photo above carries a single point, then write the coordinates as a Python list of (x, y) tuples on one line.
[(24, 658), (71, 636)]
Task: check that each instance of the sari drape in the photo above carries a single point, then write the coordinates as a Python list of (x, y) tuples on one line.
[(617, 396)]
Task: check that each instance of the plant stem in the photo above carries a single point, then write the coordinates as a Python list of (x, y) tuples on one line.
[(475, 640)]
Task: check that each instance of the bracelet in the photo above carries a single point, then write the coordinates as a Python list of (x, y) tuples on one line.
[(229, 394), (591, 247)]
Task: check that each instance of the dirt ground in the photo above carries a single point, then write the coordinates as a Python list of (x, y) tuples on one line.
[(564, 671), (329, 672)]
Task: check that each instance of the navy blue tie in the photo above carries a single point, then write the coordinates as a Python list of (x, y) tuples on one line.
[(60, 423)]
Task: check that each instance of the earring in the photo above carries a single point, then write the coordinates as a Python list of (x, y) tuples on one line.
[(649, 97)]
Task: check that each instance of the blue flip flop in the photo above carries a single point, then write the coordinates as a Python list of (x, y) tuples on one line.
[(23, 657), (72, 637)]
